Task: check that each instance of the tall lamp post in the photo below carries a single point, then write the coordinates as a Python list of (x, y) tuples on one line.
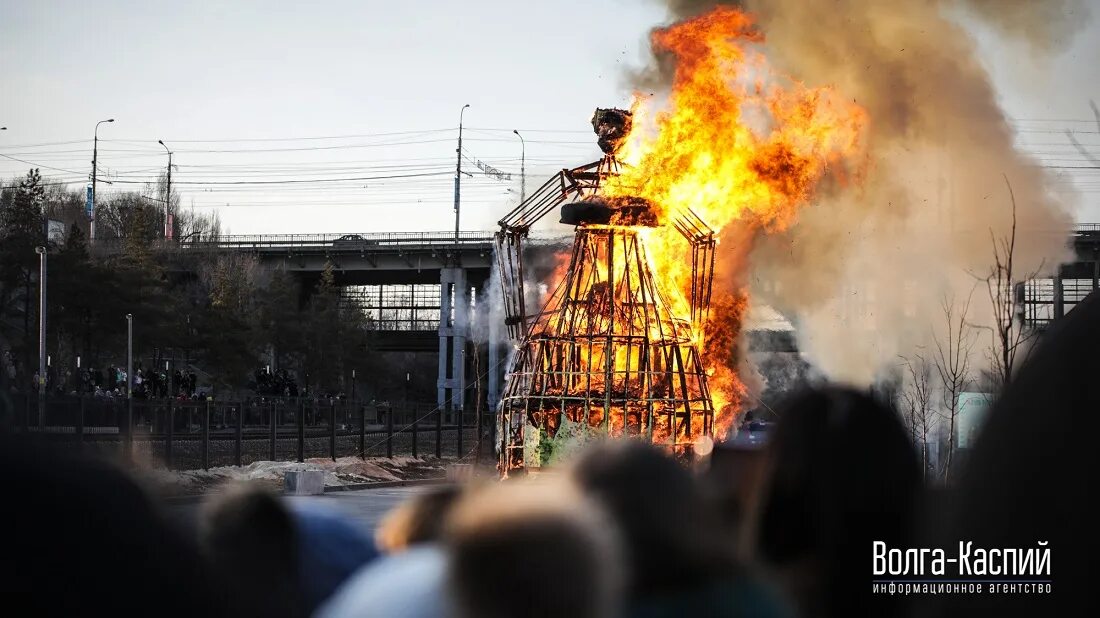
[(167, 193), (129, 355), (95, 159), (458, 170), (522, 166), (41, 251)]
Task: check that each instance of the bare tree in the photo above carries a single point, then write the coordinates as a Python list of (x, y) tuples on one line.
[(1089, 156), (952, 362), (1010, 333), (197, 227), (916, 403)]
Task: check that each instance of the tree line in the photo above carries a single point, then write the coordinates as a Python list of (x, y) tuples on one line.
[(219, 314)]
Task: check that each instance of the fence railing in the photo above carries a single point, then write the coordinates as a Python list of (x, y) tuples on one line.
[(204, 434)]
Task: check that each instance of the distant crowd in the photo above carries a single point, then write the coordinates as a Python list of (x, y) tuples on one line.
[(182, 385), (148, 383), (279, 383)]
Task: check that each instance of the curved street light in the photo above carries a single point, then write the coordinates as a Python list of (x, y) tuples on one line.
[(458, 170), (167, 192), (522, 167), (95, 158)]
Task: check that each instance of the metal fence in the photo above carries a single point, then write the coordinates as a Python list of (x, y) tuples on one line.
[(189, 435)]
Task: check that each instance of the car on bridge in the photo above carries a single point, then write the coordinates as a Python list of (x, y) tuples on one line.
[(353, 240)]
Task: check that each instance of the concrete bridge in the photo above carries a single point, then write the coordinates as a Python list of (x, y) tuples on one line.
[(411, 283)]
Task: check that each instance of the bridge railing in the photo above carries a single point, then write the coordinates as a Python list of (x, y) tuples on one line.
[(361, 241)]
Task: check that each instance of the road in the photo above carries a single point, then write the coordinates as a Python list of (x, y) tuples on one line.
[(366, 506)]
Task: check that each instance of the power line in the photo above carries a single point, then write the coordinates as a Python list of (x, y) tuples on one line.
[(56, 169), (282, 182)]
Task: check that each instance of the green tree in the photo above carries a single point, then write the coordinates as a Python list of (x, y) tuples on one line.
[(336, 337), (22, 228), (228, 322), (280, 320)]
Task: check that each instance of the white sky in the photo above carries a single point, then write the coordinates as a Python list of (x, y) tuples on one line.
[(390, 78)]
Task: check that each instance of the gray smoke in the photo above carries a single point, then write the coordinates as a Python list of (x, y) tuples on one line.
[(865, 270)]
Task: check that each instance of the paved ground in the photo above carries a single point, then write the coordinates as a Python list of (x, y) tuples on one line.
[(366, 506)]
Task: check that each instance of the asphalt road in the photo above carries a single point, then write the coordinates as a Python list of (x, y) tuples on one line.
[(366, 506)]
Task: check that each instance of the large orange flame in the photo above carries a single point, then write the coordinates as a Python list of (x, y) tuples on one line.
[(738, 143)]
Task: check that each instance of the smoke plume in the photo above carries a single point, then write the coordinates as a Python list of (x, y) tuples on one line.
[(866, 268)]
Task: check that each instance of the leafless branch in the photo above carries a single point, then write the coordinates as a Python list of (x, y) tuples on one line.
[(1091, 158), (916, 403), (952, 362)]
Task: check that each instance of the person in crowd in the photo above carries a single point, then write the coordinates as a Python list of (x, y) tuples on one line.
[(679, 559), (409, 582), (730, 479), (330, 549), (418, 520), (841, 474), (251, 541), (1026, 482), (533, 549), (85, 540)]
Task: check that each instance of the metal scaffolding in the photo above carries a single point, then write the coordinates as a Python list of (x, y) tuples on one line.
[(606, 353)]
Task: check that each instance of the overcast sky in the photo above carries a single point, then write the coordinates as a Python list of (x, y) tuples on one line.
[(267, 92)]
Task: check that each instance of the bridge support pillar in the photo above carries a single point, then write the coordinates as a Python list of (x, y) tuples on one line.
[(454, 325), (1059, 298)]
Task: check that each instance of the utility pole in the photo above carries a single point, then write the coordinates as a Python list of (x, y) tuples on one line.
[(167, 194), (95, 158), (522, 167), (458, 170), (41, 251), (129, 355)]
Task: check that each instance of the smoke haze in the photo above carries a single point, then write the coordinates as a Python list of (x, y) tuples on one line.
[(865, 270)]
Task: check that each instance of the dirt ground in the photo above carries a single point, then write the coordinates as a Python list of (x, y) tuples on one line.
[(343, 472)]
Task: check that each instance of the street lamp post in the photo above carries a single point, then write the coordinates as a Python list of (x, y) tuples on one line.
[(522, 167), (41, 251), (167, 193), (95, 159), (129, 355), (458, 170)]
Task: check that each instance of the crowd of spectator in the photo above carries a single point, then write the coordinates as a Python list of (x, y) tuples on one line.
[(279, 383), (151, 383), (147, 383)]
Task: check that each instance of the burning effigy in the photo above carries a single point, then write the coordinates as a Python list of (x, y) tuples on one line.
[(608, 353), (635, 340)]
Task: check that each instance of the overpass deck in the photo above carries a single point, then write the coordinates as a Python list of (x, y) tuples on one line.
[(329, 243)]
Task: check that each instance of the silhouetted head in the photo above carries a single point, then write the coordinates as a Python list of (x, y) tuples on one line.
[(671, 535), (81, 538), (841, 474), (250, 539), (537, 550)]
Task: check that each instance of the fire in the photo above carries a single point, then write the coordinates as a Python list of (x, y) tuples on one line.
[(635, 339), (739, 143)]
